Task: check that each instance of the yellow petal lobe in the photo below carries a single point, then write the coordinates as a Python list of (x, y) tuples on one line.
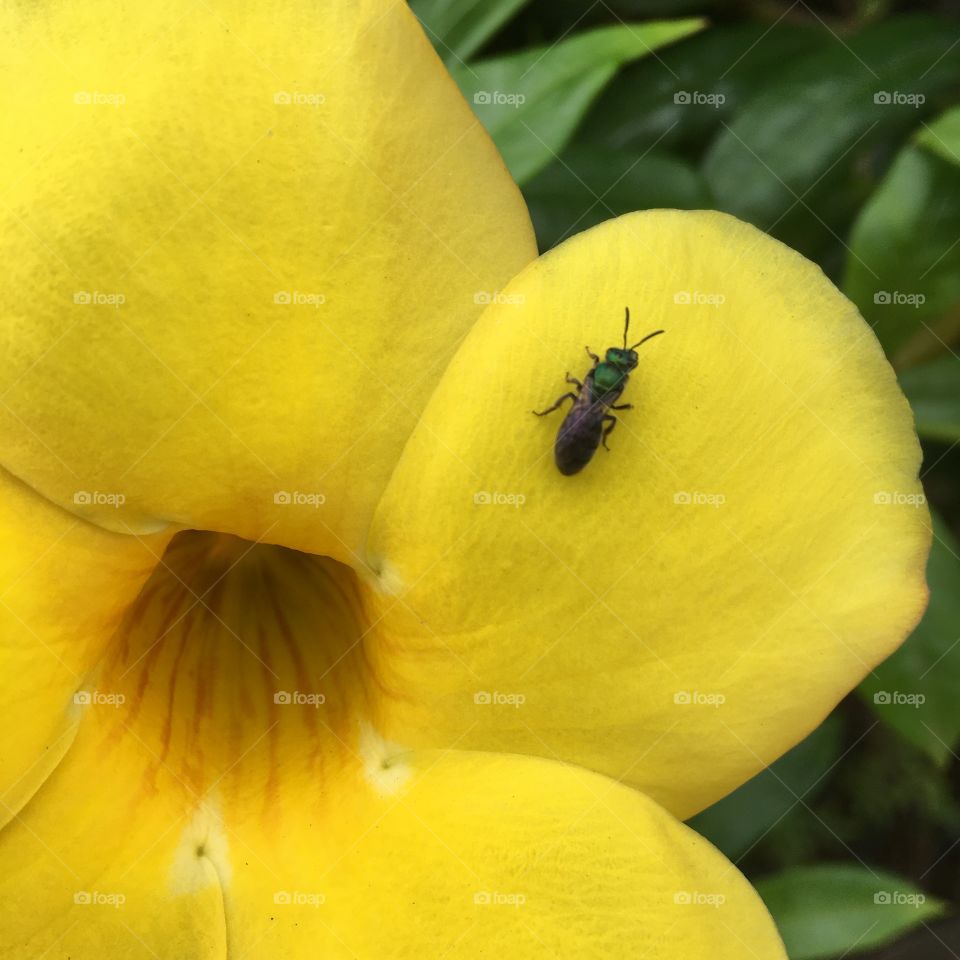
[(699, 597), (245, 241)]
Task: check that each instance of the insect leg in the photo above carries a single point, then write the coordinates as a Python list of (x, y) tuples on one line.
[(621, 406), (574, 381), (592, 356), (566, 396), (612, 420)]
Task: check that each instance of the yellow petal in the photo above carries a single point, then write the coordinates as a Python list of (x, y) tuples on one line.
[(195, 728), (228, 794), (64, 587), (448, 855), (465, 855), (697, 599), (244, 242), (107, 859)]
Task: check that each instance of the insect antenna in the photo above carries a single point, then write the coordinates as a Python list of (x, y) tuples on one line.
[(655, 333), (626, 327)]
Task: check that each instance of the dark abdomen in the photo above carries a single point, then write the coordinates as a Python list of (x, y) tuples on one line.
[(578, 438)]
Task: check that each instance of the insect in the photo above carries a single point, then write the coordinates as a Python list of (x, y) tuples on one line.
[(589, 422)]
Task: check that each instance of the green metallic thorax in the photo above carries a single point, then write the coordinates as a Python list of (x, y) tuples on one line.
[(612, 374), (609, 378)]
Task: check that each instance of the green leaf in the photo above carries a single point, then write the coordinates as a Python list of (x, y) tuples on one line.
[(458, 29), (827, 114), (643, 107), (531, 102), (903, 271), (916, 691), (943, 136), (829, 909), (738, 821), (934, 393), (590, 184)]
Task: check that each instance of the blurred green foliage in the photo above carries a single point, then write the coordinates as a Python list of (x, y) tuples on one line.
[(836, 128), (824, 909)]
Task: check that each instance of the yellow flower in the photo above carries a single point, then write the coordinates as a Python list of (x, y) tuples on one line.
[(308, 650)]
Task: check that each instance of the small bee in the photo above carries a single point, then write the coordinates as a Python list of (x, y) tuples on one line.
[(588, 422)]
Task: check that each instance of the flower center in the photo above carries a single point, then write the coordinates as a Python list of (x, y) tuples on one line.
[(240, 656)]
